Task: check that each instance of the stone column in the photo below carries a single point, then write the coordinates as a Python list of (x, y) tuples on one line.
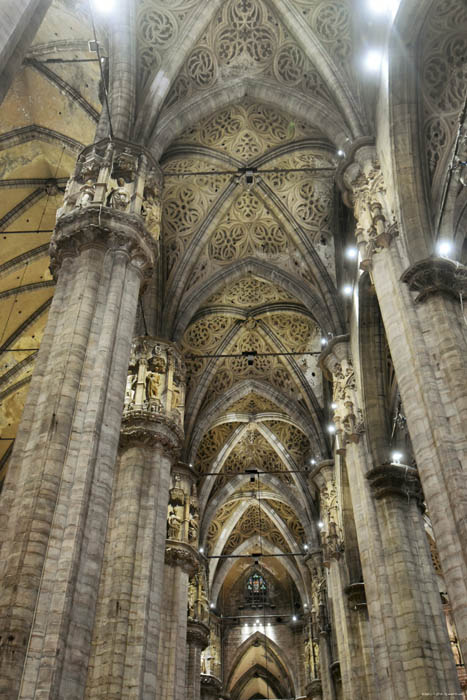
[(426, 332), (58, 489), (181, 561), (410, 642), (320, 682), (197, 640), (127, 627), (355, 660)]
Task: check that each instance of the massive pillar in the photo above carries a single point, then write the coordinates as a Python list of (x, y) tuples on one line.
[(58, 489), (411, 647), (182, 561), (127, 627), (355, 655), (421, 308)]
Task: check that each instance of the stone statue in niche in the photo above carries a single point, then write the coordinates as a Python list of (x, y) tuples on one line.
[(89, 168), (119, 197), (153, 381), (131, 381), (125, 166), (174, 525), (151, 212), (86, 194), (193, 525)]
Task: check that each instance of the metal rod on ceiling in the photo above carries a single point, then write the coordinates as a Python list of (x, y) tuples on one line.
[(12, 233), (257, 555), (242, 171), (253, 354)]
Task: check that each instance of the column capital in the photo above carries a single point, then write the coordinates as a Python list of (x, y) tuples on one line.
[(104, 228), (314, 689), (355, 593), (436, 276), (361, 180), (389, 480), (336, 362), (112, 199), (153, 411), (212, 686), (197, 634), (182, 555)]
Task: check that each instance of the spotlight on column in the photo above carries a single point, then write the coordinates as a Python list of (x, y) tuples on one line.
[(212, 606), (347, 290), (305, 605), (396, 457), (257, 622), (444, 249), (323, 342), (333, 406), (341, 153), (373, 60), (201, 550), (294, 618), (320, 524), (103, 6), (331, 429), (351, 253), (305, 547), (313, 462), (191, 465)]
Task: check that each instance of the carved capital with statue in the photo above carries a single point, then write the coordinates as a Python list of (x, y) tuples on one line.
[(331, 533), (362, 182), (197, 634), (336, 362), (104, 229), (182, 555), (119, 176)]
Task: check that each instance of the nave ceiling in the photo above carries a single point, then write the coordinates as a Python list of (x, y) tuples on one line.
[(250, 262)]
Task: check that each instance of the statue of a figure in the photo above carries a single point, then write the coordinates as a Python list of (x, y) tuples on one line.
[(119, 197), (174, 525), (130, 388), (193, 531), (152, 384), (86, 194), (151, 213)]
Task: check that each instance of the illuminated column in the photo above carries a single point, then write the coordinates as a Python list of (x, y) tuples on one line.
[(421, 307), (182, 561), (58, 489), (354, 655), (410, 643), (127, 628), (318, 650)]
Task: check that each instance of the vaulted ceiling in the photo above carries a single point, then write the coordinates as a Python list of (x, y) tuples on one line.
[(246, 103)]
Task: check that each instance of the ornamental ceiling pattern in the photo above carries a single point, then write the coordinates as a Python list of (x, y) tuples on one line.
[(246, 131), (160, 25), (248, 293), (252, 403), (331, 22), (254, 521), (443, 62), (246, 37), (290, 519)]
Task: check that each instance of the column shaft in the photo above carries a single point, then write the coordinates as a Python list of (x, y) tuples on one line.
[(126, 634), (59, 487), (428, 347)]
